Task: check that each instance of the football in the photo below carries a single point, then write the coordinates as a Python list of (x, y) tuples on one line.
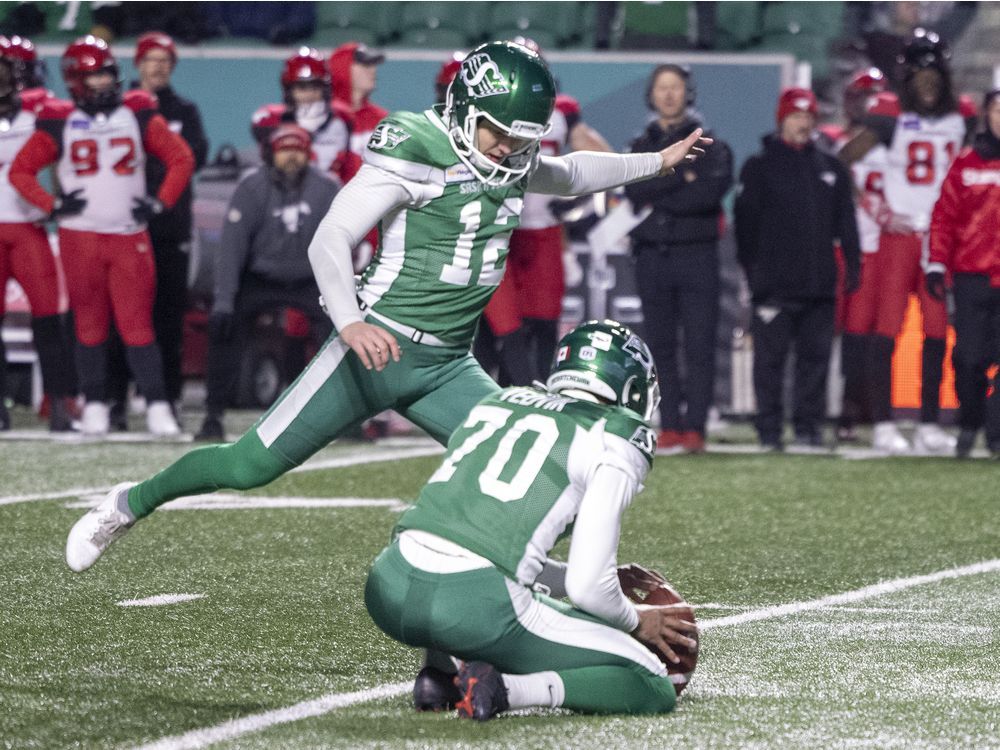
[(650, 588)]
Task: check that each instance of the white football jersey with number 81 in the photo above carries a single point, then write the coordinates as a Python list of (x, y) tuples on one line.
[(921, 151)]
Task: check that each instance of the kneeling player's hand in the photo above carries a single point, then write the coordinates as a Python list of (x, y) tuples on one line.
[(660, 626), (373, 344)]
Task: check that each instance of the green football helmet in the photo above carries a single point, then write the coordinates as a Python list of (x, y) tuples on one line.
[(510, 86), (607, 359)]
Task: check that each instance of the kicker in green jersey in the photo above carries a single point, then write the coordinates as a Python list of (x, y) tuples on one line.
[(442, 255)]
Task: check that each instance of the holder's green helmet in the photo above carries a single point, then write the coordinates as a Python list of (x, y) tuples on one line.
[(509, 85), (607, 359)]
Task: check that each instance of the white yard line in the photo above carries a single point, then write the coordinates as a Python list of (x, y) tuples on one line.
[(228, 730), (160, 600), (223, 501), (365, 455), (868, 592), (199, 738)]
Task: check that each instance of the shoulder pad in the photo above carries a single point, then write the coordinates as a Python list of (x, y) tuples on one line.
[(32, 100), (55, 109), (567, 104), (409, 144), (885, 103), (967, 106), (138, 100), (629, 427), (268, 116)]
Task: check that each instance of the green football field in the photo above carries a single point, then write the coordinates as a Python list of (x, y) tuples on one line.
[(844, 603)]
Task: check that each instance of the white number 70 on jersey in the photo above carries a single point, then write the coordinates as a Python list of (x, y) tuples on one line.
[(493, 419)]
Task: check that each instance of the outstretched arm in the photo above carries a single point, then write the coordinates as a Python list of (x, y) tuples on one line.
[(585, 172)]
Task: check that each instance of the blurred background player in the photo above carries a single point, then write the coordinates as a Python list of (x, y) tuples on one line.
[(307, 101), (794, 204), (170, 231), (102, 213), (461, 571), (965, 242), (25, 254), (677, 258), (263, 261), (523, 314), (354, 75), (856, 314), (922, 137)]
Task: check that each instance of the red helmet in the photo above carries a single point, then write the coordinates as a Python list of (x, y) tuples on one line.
[(155, 40), (867, 81), (29, 70), (83, 57), (305, 66)]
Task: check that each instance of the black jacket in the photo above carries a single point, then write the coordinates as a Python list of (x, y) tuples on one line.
[(791, 206), (174, 226), (687, 203)]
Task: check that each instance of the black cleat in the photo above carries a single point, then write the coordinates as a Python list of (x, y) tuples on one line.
[(966, 439), (434, 690), (482, 691), (211, 430)]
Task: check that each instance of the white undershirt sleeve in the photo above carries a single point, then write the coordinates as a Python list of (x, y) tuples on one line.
[(359, 205), (590, 172), (591, 574)]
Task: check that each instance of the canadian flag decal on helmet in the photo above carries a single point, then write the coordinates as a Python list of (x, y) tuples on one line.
[(482, 77)]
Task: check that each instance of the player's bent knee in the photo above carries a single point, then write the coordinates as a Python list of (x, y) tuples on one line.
[(247, 469), (662, 696)]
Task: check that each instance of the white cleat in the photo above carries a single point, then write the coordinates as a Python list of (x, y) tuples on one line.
[(888, 438), (160, 420), (95, 419), (102, 524), (929, 438)]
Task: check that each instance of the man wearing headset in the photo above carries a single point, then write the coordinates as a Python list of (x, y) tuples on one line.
[(677, 259)]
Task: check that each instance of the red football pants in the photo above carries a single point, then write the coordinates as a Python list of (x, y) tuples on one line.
[(533, 283), (110, 274), (25, 254), (898, 274)]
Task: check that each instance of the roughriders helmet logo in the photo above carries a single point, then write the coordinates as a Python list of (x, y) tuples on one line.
[(387, 137), (482, 77), (640, 353)]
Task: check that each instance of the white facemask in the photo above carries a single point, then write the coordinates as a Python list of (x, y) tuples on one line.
[(311, 116)]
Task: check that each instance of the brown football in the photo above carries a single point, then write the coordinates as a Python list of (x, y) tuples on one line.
[(664, 593)]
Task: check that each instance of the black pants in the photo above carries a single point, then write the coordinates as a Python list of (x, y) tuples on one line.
[(777, 327), (977, 347), (256, 295), (168, 310), (679, 290)]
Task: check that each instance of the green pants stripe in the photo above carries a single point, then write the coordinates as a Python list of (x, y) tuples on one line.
[(482, 615)]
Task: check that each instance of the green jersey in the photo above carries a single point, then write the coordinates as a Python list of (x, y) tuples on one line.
[(516, 472), (442, 254)]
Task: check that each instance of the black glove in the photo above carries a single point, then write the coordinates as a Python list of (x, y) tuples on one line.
[(68, 204), (935, 285), (221, 326), (143, 209)]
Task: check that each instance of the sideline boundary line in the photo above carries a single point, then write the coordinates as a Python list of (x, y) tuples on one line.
[(365, 457), (200, 738)]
